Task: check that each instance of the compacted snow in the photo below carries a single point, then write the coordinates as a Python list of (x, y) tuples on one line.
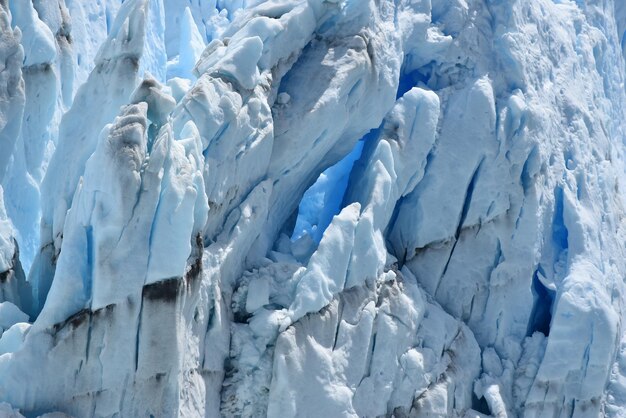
[(312, 208)]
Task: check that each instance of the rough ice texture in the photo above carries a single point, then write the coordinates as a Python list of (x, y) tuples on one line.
[(305, 208)]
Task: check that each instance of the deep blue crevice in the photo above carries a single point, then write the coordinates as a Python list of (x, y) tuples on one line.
[(541, 314), (526, 177), (402, 252), (413, 79), (468, 198), (480, 405), (324, 198), (88, 275), (559, 230), (108, 19)]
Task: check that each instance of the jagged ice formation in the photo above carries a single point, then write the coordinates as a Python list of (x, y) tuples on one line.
[(305, 208)]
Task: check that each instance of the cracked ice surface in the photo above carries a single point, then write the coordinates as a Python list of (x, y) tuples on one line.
[(309, 208)]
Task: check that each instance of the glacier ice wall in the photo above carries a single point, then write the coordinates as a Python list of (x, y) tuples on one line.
[(283, 208)]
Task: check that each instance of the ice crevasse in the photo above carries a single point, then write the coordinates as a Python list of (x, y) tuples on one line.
[(305, 208)]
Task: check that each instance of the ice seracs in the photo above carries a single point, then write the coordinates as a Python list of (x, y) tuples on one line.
[(304, 208)]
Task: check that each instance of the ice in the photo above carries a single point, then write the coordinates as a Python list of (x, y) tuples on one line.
[(9, 412), (158, 185), (7, 244), (288, 208), (325, 197), (91, 23), (15, 292), (12, 103), (461, 160), (46, 95), (237, 62), (209, 22), (10, 315), (328, 266), (37, 38), (258, 294), (116, 64), (390, 376), (190, 49), (13, 337)]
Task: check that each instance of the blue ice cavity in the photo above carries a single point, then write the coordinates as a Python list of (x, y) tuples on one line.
[(541, 315), (412, 79), (323, 199)]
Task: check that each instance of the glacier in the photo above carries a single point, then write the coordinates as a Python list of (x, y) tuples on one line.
[(307, 208)]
